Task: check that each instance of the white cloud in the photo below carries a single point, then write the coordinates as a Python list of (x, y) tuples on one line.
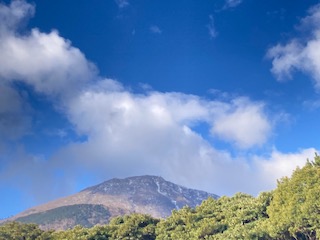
[(280, 164), (46, 61), (128, 133), (11, 16), (231, 121), (211, 28), (300, 54), (155, 29), (242, 122), (134, 134)]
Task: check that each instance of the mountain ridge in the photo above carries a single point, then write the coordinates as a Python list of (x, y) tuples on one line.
[(146, 194)]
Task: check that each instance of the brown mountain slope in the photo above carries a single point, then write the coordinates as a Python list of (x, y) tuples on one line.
[(96, 205)]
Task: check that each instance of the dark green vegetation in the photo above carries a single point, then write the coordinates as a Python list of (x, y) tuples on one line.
[(82, 214), (291, 211)]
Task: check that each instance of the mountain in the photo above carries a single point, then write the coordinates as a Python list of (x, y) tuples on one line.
[(96, 205)]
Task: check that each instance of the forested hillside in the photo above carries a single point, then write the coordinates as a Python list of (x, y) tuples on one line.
[(291, 211)]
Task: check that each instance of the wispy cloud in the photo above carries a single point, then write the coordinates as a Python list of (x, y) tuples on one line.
[(312, 104), (299, 54), (122, 3), (211, 28), (155, 29), (231, 3)]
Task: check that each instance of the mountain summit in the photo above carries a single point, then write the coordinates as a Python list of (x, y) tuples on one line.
[(97, 204), (152, 191)]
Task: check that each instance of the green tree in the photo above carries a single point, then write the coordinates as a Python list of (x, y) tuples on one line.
[(295, 208), (236, 217), (21, 231), (134, 226)]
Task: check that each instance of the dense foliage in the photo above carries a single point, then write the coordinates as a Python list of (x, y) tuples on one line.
[(82, 214), (291, 211)]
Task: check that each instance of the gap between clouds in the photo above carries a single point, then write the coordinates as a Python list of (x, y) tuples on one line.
[(128, 133)]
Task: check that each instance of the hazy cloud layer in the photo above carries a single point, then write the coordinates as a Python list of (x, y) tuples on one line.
[(280, 164), (128, 133), (15, 119), (299, 54)]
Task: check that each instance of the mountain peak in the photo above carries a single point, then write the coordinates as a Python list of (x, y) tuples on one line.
[(142, 194), (118, 185), (151, 190)]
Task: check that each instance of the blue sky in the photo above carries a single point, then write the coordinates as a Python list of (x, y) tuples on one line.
[(219, 95)]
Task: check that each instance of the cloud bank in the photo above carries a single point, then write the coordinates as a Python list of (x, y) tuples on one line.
[(128, 133)]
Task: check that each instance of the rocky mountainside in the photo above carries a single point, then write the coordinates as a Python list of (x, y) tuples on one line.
[(96, 205)]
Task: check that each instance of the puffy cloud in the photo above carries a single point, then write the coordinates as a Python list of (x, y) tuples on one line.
[(301, 54), (13, 15), (100, 110), (134, 134), (131, 134), (125, 133), (128, 133), (47, 62), (242, 122)]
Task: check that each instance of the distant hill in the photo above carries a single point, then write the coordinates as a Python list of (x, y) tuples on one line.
[(96, 205)]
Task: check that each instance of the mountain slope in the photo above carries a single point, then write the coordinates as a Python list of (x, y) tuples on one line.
[(96, 205)]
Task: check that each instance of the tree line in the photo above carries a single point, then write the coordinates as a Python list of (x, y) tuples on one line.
[(291, 211)]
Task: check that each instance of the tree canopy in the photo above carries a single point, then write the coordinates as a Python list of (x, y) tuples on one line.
[(291, 211)]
